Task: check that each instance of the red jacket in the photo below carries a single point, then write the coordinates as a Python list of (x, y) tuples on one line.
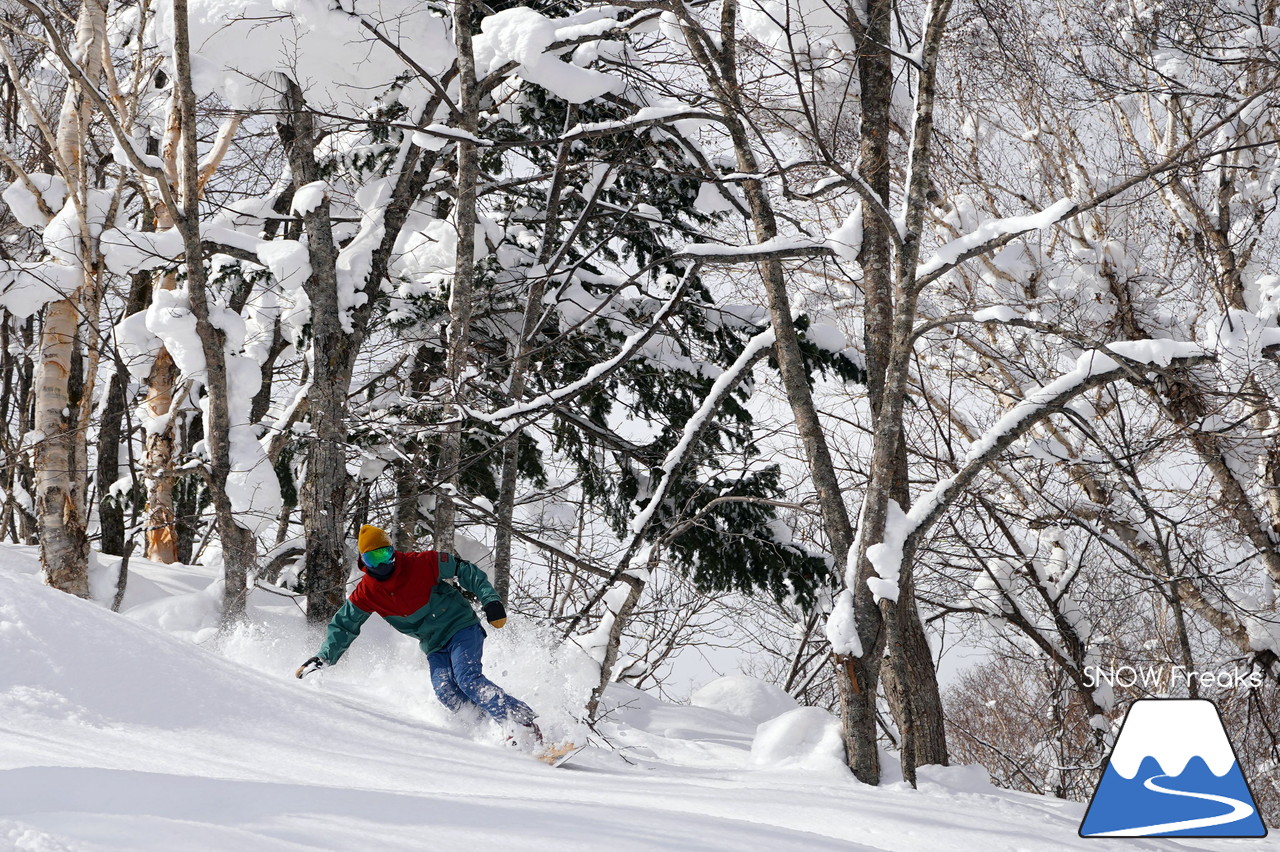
[(413, 600), (408, 588)]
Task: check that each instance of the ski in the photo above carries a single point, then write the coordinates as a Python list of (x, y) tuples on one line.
[(558, 755)]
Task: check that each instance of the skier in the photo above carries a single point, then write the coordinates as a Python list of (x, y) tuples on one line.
[(408, 590)]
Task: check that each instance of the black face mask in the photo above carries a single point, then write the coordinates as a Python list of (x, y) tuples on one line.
[(383, 571)]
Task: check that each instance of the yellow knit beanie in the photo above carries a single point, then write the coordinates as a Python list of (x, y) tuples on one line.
[(371, 538)]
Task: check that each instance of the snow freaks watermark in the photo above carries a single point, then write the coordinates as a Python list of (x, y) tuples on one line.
[(1167, 678), (1173, 773)]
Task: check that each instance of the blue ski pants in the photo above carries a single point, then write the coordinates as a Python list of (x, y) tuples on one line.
[(458, 679)]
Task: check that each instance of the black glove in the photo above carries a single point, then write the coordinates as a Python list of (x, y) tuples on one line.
[(496, 613), (311, 665)]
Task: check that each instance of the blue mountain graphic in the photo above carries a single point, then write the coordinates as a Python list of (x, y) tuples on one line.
[(1121, 803)]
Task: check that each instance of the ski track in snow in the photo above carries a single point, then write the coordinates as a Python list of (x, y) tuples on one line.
[(1239, 810)]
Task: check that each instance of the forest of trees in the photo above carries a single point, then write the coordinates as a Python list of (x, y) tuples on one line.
[(838, 333)]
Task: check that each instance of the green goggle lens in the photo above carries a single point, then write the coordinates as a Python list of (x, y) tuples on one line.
[(377, 556)]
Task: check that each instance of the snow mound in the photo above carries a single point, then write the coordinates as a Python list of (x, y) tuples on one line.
[(239, 44), (67, 658), (805, 738), (24, 838), (194, 615), (970, 778), (740, 695)]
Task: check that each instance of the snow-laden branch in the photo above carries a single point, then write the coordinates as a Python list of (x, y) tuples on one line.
[(127, 252), (948, 255), (523, 41), (1004, 315), (777, 248), (627, 582), (755, 348), (644, 117), (423, 137), (1094, 368), (25, 288), (629, 348), (405, 56)]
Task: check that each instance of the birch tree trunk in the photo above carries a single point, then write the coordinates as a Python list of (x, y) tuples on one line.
[(160, 445), (64, 548), (62, 383), (158, 452), (460, 290)]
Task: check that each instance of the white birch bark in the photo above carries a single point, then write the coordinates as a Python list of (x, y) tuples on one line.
[(63, 382)]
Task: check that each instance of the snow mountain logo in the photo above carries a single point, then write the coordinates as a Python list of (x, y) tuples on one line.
[(1173, 773)]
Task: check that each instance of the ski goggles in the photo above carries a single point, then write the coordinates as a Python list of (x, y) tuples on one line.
[(377, 556)]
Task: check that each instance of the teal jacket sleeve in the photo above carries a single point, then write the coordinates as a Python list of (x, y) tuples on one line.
[(469, 577), (344, 627)]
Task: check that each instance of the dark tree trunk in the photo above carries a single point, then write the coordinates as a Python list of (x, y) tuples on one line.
[(505, 509), (916, 704), (6, 398), (25, 473), (262, 400), (326, 487), (239, 546), (190, 496), (111, 507), (911, 679), (15, 405), (891, 293), (112, 437), (857, 677)]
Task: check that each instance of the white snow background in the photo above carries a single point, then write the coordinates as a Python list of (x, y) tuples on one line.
[(145, 731)]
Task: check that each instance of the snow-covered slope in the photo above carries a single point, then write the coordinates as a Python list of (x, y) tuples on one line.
[(116, 735)]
